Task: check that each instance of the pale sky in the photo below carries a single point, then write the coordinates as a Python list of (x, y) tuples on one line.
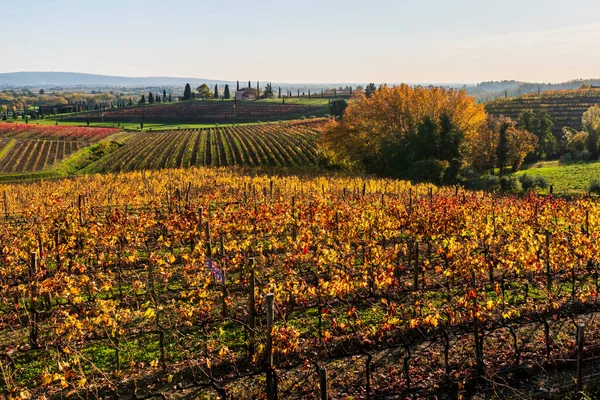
[(416, 41)]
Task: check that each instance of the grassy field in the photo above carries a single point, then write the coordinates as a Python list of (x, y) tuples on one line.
[(566, 179)]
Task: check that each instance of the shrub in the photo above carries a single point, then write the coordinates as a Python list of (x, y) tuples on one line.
[(540, 182), (509, 184), (575, 156), (491, 182), (428, 171), (527, 182), (566, 158), (452, 175), (581, 155), (595, 186)]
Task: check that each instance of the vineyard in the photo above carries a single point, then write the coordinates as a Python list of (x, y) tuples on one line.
[(203, 282), (27, 148), (565, 107), (202, 112), (290, 144)]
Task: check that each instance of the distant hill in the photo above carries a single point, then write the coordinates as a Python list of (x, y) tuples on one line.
[(75, 79), (82, 80), (492, 90)]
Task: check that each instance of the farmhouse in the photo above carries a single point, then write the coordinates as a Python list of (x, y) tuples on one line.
[(245, 94)]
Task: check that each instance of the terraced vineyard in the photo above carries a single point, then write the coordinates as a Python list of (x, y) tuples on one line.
[(566, 107), (289, 144)]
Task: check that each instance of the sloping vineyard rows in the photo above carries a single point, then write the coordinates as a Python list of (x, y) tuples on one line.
[(197, 111), (37, 155), (161, 278), (565, 107), (251, 145)]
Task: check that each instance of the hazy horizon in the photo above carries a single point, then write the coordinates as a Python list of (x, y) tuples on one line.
[(334, 42)]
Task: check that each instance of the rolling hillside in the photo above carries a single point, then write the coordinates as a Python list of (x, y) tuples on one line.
[(290, 144), (203, 112), (40, 151), (31, 148)]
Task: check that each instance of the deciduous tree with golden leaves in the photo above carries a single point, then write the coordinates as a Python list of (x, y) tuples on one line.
[(378, 133)]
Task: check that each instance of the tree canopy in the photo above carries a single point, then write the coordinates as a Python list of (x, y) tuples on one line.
[(337, 107), (591, 125), (370, 89), (400, 126), (204, 91), (540, 124), (187, 93)]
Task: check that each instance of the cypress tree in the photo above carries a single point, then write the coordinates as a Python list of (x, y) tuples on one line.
[(143, 100), (187, 93), (257, 89), (279, 96), (150, 98), (226, 94), (164, 94), (249, 85), (169, 98), (216, 94), (238, 86)]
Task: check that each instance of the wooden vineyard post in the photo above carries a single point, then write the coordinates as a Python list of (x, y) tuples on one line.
[(208, 244), (57, 250), (478, 349), (200, 218), (410, 201), (79, 206), (364, 189), (580, 329), (252, 308), (587, 222), (271, 384), (33, 328), (323, 383), (271, 188), (368, 375)]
